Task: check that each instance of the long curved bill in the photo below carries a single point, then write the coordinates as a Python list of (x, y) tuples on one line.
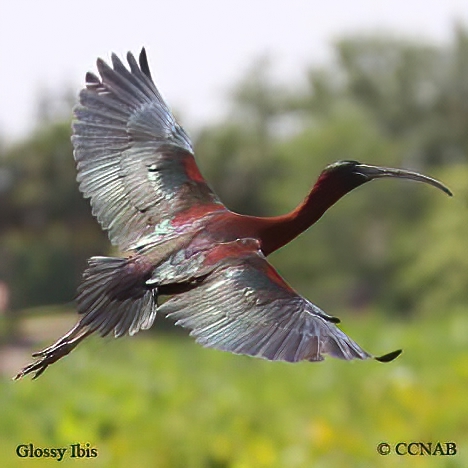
[(374, 172)]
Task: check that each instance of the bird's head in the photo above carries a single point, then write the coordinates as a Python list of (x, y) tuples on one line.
[(346, 175)]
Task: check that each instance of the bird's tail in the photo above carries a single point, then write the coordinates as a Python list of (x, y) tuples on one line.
[(113, 297)]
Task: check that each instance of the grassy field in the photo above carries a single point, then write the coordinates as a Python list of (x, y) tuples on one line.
[(159, 401)]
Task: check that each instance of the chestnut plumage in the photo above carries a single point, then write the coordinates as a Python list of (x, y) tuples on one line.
[(136, 165)]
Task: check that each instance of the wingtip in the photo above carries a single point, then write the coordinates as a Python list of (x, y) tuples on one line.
[(143, 59), (389, 357), (115, 60), (92, 82), (102, 66)]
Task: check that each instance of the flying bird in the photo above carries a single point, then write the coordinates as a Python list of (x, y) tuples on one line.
[(136, 164)]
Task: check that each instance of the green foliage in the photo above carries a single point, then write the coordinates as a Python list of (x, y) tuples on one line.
[(350, 251), (235, 167), (435, 275), (47, 230), (385, 101), (399, 81), (416, 92), (170, 403), (239, 156)]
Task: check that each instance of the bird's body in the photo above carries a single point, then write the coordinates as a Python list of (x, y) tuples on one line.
[(137, 166)]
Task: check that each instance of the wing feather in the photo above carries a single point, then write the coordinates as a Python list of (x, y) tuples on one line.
[(131, 154), (245, 307)]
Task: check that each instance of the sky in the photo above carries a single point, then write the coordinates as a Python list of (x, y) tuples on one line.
[(197, 50)]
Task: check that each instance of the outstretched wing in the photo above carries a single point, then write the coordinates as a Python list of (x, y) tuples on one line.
[(245, 307), (134, 161)]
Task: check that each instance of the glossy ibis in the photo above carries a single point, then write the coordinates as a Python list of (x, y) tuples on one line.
[(137, 167)]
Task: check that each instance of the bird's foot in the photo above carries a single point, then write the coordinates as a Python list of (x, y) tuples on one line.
[(52, 354)]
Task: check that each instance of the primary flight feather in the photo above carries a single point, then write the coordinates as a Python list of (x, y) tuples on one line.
[(136, 165)]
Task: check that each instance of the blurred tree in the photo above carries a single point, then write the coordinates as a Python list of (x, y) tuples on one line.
[(447, 136), (47, 230), (389, 102), (238, 155), (415, 91), (396, 80), (347, 251), (433, 277), (385, 101)]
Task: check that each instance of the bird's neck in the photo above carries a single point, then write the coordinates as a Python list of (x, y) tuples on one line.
[(277, 231)]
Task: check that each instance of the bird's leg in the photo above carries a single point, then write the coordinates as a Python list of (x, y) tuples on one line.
[(55, 352)]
